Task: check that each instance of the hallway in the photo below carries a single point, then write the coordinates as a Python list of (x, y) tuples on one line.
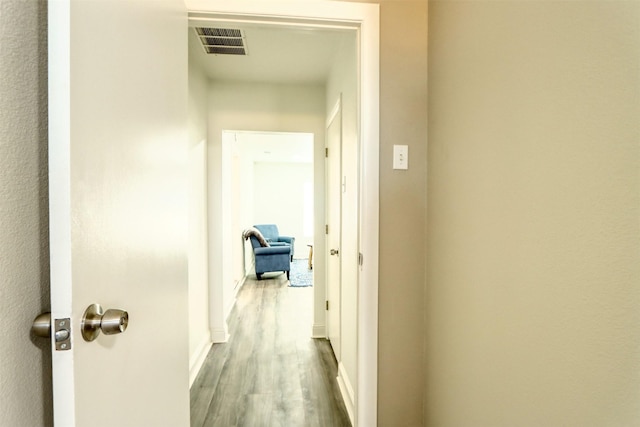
[(270, 373)]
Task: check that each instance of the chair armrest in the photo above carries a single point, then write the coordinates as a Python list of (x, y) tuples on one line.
[(286, 239), (272, 250)]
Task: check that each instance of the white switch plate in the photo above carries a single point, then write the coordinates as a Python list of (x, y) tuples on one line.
[(401, 157)]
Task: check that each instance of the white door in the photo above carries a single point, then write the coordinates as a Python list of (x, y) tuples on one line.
[(334, 227), (118, 201)]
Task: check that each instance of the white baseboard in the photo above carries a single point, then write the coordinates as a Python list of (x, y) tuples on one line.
[(219, 336), (236, 289), (346, 389), (318, 331), (198, 358)]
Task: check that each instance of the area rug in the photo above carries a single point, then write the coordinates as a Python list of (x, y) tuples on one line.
[(300, 275)]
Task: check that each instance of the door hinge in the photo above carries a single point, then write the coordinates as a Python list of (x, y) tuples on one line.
[(326, 152), (326, 305), (360, 259), (326, 229)]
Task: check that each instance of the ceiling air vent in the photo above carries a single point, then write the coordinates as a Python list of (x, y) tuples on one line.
[(222, 41)]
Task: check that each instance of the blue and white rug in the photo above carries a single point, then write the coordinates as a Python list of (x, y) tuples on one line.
[(300, 275)]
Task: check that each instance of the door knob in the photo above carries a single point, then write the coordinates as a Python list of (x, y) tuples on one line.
[(110, 322), (334, 252), (42, 325)]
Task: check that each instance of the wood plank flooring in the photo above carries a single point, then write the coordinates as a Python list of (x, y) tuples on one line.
[(270, 373)]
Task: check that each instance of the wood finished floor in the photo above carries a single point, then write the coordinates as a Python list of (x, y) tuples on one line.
[(270, 373)]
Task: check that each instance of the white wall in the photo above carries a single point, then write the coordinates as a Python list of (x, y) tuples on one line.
[(342, 84), (287, 150), (237, 223), (254, 107), (245, 210), (533, 296), (279, 194), (226, 219), (199, 331), (25, 361)]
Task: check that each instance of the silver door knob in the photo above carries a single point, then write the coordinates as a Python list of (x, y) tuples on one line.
[(110, 322), (42, 325), (334, 252)]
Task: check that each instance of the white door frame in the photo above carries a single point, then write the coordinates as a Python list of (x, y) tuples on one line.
[(364, 17), (334, 299)]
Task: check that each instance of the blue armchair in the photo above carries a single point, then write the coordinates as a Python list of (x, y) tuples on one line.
[(268, 258), (273, 237)]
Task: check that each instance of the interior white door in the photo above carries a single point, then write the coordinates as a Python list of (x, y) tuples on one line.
[(334, 229), (118, 208)]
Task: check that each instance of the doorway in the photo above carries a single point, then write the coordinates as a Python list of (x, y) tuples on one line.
[(166, 125), (271, 182), (362, 366)]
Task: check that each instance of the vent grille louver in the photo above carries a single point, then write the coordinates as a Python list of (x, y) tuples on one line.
[(222, 41)]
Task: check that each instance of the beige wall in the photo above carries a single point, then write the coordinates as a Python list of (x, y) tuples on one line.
[(533, 296), (403, 120), (25, 362)]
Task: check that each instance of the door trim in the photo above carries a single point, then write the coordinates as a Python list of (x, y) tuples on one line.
[(365, 18), (334, 301)]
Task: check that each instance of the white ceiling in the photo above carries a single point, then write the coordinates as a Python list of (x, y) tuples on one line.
[(275, 54)]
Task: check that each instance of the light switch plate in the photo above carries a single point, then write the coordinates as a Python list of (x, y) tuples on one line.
[(401, 157)]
